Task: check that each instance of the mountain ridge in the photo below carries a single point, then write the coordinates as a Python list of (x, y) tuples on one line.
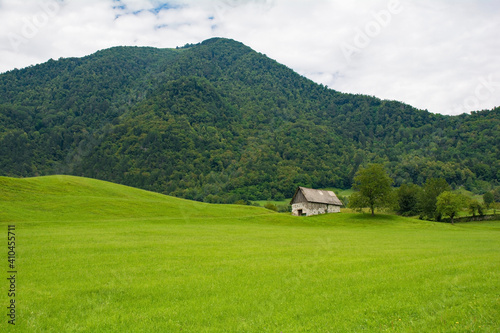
[(219, 122)]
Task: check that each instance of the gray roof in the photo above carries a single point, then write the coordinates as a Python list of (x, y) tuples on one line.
[(319, 196)]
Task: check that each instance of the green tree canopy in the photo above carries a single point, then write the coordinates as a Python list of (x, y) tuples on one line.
[(373, 187), (407, 197), (432, 189), (475, 206), (449, 204), (496, 194), (488, 199)]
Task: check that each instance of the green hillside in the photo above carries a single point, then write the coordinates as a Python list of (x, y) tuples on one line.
[(92, 256), (76, 199), (220, 122)]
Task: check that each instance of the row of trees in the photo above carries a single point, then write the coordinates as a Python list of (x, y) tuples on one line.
[(433, 201)]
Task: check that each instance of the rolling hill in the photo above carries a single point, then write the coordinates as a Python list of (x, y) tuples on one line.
[(71, 199), (219, 122)]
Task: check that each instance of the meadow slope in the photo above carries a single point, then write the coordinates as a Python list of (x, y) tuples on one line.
[(93, 256)]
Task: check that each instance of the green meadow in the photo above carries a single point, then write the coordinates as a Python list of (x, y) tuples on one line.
[(92, 256)]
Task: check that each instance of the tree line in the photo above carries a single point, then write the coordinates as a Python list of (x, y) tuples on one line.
[(432, 201)]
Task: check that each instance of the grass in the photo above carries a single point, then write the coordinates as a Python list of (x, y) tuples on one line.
[(99, 257), (262, 203)]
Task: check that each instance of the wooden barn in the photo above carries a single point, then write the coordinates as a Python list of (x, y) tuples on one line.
[(307, 201)]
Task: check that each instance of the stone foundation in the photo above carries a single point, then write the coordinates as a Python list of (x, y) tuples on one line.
[(308, 209)]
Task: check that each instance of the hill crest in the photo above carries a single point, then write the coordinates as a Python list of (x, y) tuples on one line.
[(54, 199)]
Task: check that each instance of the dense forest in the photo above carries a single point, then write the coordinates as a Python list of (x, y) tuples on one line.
[(219, 122)]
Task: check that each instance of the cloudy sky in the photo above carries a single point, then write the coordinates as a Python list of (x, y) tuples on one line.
[(439, 55)]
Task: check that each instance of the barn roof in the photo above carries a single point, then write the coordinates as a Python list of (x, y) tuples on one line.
[(318, 196)]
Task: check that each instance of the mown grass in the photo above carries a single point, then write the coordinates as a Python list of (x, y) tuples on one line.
[(98, 257)]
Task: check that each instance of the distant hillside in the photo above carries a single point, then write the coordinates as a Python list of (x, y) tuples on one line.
[(220, 122)]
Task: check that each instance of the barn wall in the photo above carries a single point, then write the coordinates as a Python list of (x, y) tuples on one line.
[(313, 208), (333, 209)]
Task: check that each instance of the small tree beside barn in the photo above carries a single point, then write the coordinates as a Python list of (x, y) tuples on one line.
[(307, 201)]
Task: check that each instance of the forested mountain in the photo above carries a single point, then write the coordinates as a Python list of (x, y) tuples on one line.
[(220, 122)]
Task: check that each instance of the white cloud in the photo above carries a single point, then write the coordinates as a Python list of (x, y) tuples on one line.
[(431, 54)]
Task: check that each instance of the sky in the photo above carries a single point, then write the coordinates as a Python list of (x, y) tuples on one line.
[(438, 55)]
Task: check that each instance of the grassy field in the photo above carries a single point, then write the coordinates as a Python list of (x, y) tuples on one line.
[(97, 257)]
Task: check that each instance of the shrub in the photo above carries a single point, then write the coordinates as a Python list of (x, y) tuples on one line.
[(271, 206)]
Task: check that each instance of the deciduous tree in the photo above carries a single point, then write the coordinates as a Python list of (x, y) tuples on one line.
[(474, 206), (407, 199), (488, 199), (449, 204), (432, 189), (373, 187)]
